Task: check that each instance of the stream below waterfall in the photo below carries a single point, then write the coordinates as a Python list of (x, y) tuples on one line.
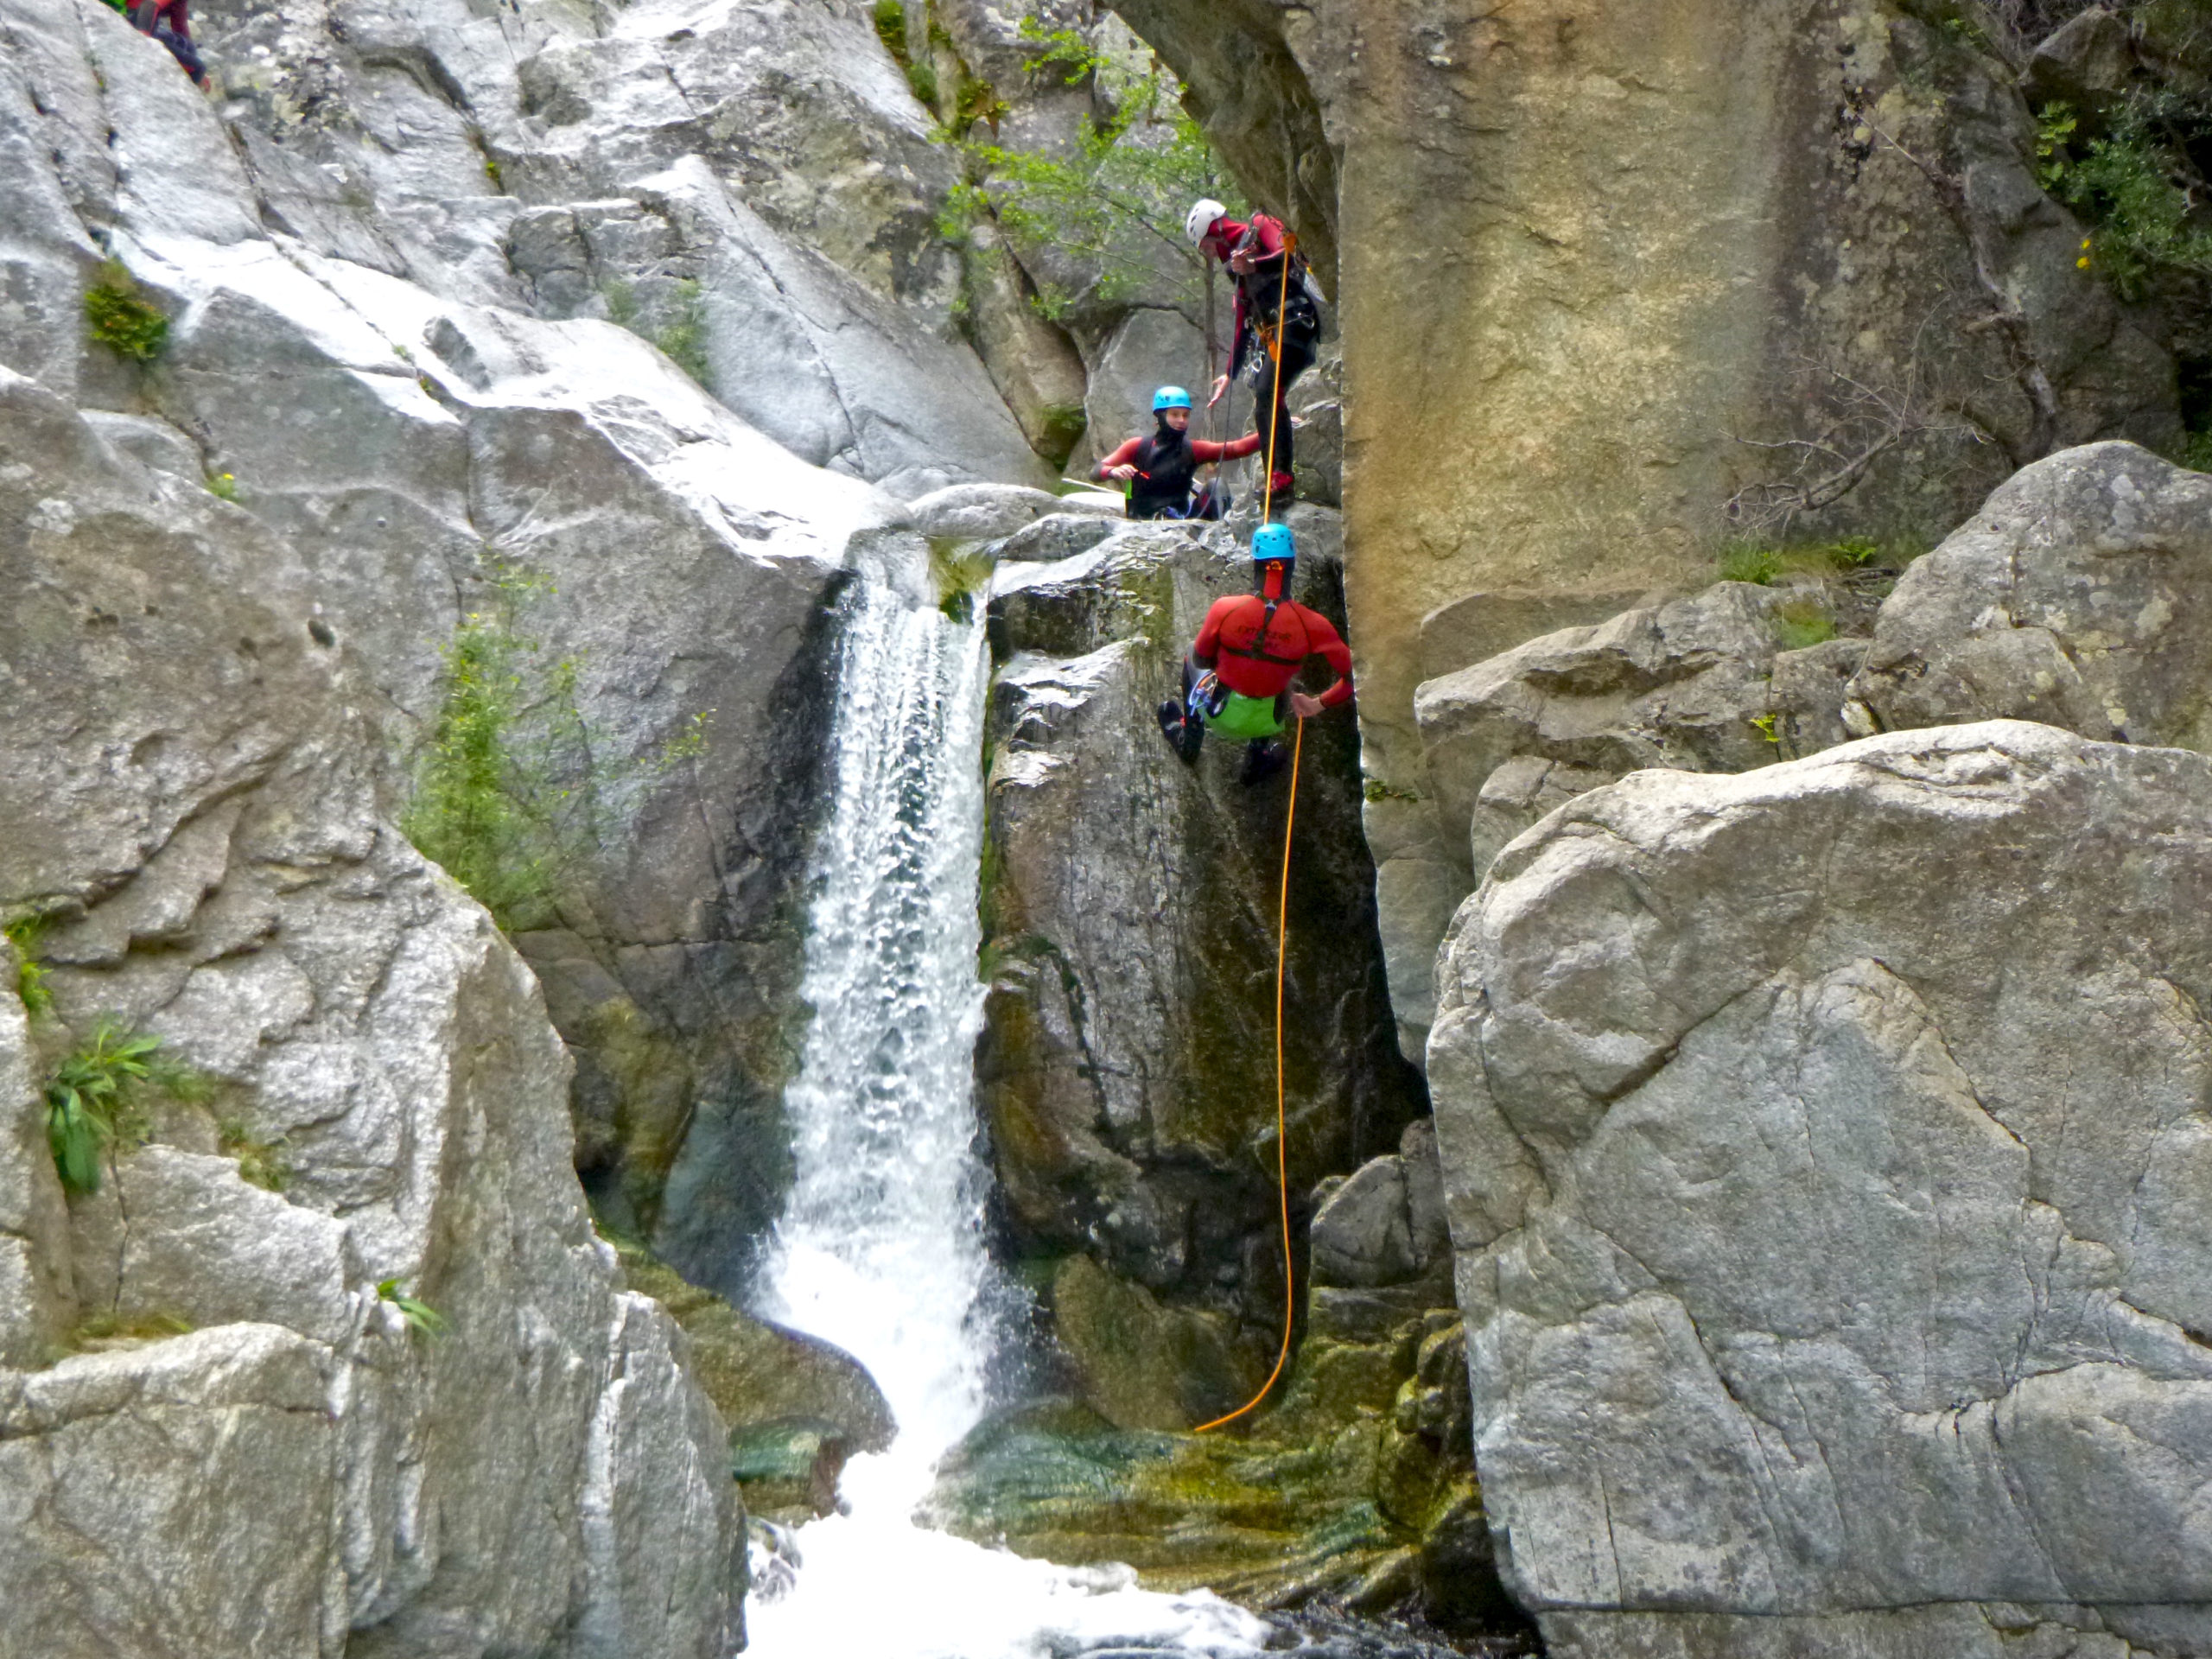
[(880, 1249)]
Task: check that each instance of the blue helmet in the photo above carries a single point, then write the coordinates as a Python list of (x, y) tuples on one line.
[(1271, 543), (1170, 397)]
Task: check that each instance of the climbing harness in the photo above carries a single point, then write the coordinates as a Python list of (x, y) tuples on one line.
[(1283, 945)]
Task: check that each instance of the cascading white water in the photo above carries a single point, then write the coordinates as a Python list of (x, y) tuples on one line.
[(880, 1247)]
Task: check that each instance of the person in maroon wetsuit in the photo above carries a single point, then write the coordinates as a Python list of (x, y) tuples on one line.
[(1285, 345), (1160, 470), (1250, 648), (165, 21)]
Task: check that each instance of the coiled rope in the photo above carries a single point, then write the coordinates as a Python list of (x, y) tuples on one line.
[(1282, 899)]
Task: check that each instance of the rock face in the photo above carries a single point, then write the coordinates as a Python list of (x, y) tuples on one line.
[(1127, 1068), (1592, 257), (187, 784), (2077, 596), (1824, 1149), (353, 356)]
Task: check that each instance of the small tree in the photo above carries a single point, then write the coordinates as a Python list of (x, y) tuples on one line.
[(1118, 202)]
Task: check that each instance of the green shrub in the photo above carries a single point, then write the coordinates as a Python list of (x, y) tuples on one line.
[(684, 340), (2139, 186), (419, 1315), (224, 486), (479, 806), (118, 319), (1803, 622), (1749, 561), (24, 935), (2194, 452), (1852, 552), (891, 28), (94, 1100)]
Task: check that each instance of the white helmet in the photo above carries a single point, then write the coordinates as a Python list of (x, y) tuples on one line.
[(1202, 215)]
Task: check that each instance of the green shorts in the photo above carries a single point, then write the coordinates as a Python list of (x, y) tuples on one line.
[(1245, 718)]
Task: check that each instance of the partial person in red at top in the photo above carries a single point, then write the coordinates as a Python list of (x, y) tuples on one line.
[(1278, 321), (1250, 648), (165, 21), (1162, 470)]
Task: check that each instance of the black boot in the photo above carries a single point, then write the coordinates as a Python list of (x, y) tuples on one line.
[(1264, 758), (1183, 734)]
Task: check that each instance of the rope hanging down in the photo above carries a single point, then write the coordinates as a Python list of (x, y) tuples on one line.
[(1282, 899)]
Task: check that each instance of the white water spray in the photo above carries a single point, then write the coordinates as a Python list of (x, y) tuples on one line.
[(881, 1249)]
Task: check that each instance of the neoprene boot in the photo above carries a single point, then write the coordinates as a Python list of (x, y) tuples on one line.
[(1184, 734), (1264, 758)]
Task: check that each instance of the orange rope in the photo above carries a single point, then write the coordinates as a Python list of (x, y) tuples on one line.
[(1282, 1133), (1282, 900)]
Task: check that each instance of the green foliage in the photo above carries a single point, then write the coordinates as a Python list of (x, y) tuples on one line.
[(1853, 552), (261, 1163), (2194, 452), (491, 172), (118, 319), (683, 338), (1375, 791), (94, 1100), (507, 789), (1749, 561), (1764, 724), (489, 803), (1803, 622), (224, 486), (419, 1315), (1118, 199), (891, 29), (2137, 185), (24, 935)]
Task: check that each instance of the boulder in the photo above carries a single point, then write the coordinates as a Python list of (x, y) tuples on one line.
[(1825, 1159), (983, 512), (1675, 685), (188, 799), (1055, 537), (2080, 596), (1361, 1233)]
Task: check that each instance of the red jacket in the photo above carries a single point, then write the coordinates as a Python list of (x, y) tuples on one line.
[(150, 13), (1228, 642), (1203, 451), (1264, 236)]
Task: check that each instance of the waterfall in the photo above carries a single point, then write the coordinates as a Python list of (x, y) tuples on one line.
[(880, 1247)]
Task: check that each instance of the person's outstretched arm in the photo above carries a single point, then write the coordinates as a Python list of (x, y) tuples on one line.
[(1235, 450)]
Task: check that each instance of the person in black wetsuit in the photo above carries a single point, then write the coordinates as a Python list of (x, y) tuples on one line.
[(1162, 470)]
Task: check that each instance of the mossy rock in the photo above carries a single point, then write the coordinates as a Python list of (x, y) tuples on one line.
[(761, 1376), (1142, 1363)]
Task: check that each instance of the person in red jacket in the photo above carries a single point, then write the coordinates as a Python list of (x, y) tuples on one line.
[(1284, 345), (1237, 679), (1160, 470), (165, 21)]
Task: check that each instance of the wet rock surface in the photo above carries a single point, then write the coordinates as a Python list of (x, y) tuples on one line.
[(1931, 985)]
